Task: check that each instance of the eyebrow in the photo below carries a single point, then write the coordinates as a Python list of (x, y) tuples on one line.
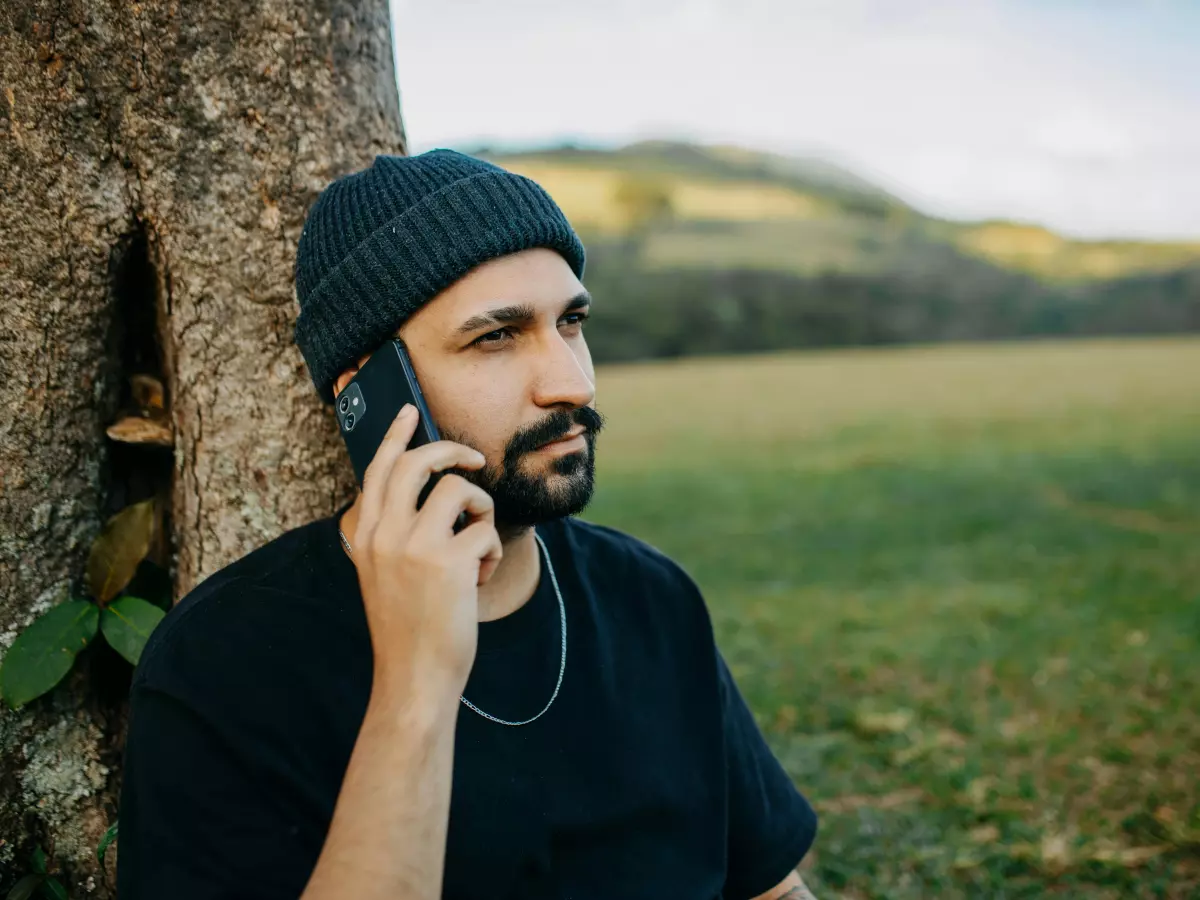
[(517, 314)]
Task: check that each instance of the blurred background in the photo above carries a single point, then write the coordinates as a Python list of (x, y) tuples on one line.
[(894, 304)]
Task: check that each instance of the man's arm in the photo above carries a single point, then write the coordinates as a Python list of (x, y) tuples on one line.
[(791, 888), (218, 798), (387, 837), (420, 586)]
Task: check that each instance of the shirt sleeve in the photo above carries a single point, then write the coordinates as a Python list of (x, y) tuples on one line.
[(771, 825), (198, 818)]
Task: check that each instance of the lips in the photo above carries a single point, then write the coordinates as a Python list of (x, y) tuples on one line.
[(573, 433)]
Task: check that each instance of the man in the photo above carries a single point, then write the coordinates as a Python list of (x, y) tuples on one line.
[(376, 706)]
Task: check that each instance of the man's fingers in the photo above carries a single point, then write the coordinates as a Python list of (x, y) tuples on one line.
[(480, 541), (375, 477), (487, 568), (415, 467), (452, 495)]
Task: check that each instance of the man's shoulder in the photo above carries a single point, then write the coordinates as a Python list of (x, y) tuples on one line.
[(609, 551), (279, 594)]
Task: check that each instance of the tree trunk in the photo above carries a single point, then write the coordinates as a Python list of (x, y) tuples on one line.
[(157, 159)]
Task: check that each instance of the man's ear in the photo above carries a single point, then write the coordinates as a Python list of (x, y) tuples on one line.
[(340, 384)]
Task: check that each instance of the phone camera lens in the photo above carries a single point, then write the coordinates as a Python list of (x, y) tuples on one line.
[(349, 421), (344, 404)]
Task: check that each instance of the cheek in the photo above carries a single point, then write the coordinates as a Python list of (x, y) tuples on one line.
[(482, 421)]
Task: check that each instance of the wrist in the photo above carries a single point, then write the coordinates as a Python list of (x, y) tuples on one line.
[(426, 696)]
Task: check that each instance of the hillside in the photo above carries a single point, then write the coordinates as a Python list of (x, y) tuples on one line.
[(728, 207), (703, 250)]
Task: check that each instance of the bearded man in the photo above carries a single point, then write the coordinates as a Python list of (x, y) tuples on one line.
[(380, 705)]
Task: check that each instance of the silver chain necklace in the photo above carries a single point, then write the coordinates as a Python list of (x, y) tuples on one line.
[(562, 613)]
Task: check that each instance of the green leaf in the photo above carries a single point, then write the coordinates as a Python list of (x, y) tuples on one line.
[(118, 549), (39, 860), (152, 582), (109, 836), (44, 652), (24, 888), (127, 624), (52, 889)]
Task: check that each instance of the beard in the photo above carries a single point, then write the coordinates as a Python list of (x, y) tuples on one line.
[(523, 499)]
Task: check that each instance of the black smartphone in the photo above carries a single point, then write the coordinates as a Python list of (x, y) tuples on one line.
[(369, 404)]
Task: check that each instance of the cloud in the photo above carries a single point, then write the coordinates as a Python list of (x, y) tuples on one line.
[(1063, 113)]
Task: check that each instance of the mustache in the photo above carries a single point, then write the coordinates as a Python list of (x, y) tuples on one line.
[(554, 426)]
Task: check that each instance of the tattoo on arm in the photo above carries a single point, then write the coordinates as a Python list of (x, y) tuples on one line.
[(798, 893)]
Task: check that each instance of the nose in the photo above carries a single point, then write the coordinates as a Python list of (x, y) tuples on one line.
[(565, 377)]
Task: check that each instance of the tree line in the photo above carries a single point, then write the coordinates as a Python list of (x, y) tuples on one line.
[(644, 313)]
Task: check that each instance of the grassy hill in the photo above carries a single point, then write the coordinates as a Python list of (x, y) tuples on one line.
[(701, 250), (728, 207)]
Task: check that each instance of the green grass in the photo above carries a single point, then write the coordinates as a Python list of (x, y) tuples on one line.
[(961, 590)]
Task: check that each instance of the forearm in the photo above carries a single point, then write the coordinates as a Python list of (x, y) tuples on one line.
[(387, 838)]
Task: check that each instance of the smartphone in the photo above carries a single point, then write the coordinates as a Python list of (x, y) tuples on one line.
[(369, 404)]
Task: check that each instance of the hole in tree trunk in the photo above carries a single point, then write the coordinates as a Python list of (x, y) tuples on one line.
[(136, 472)]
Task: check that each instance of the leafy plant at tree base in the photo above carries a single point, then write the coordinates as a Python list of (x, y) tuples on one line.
[(127, 624), (109, 836), (38, 882), (45, 651)]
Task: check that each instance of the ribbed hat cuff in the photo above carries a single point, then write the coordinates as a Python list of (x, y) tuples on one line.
[(416, 255)]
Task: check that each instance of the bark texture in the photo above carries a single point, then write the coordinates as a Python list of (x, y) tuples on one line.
[(156, 160)]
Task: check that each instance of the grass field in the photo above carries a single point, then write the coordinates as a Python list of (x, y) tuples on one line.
[(960, 587)]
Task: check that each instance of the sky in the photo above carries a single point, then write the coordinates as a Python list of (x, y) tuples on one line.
[(1082, 115)]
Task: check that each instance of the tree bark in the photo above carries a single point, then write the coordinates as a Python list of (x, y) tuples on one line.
[(157, 159)]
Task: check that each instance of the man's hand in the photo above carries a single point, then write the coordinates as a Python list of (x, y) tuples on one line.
[(419, 579), (419, 583), (800, 892), (791, 888)]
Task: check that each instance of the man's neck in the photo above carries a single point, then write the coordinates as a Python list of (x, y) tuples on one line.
[(512, 583)]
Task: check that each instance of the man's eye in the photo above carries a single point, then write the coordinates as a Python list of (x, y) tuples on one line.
[(492, 337), (579, 318)]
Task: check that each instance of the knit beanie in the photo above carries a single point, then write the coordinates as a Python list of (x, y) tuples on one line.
[(379, 243)]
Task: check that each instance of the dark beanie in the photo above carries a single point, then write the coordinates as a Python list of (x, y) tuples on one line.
[(380, 243)]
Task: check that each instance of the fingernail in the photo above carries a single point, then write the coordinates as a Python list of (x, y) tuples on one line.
[(407, 409)]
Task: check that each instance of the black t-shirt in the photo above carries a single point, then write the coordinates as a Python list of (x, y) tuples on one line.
[(646, 778)]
